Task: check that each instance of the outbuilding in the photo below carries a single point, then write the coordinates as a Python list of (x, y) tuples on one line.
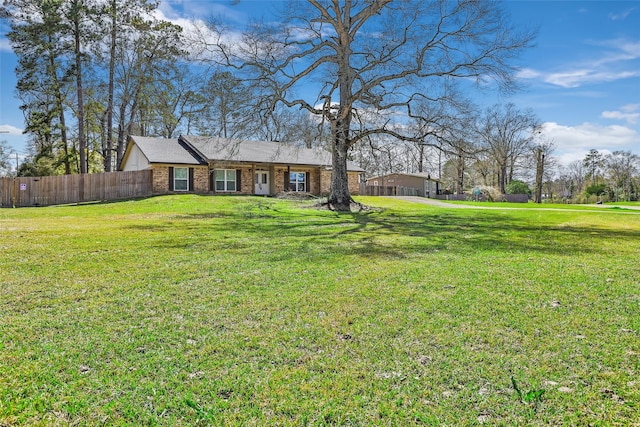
[(421, 182)]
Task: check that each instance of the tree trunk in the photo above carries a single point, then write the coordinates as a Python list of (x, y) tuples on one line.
[(460, 183), (421, 159), (82, 144), (539, 173), (121, 144), (340, 198), (60, 106), (503, 178), (112, 62)]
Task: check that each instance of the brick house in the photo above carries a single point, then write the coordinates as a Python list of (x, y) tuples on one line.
[(200, 164)]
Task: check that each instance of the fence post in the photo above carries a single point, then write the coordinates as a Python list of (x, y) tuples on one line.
[(15, 190)]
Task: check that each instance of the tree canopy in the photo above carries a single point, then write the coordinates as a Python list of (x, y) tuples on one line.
[(369, 67)]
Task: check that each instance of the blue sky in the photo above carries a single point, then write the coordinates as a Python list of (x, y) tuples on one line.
[(582, 79)]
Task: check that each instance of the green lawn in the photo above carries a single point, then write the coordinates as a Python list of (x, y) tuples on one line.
[(188, 310), (531, 205)]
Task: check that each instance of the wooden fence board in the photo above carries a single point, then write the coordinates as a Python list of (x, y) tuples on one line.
[(64, 189)]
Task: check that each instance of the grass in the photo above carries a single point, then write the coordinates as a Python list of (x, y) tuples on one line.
[(546, 206), (188, 310)]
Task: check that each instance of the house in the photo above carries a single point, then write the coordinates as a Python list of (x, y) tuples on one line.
[(201, 164), (422, 182)]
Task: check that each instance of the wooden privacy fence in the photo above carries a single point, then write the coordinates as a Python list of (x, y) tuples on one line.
[(381, 190), (63, 189), (514, 198)]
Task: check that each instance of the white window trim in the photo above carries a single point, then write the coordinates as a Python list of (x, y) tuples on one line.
[(226, 181), (176, 179), (293, 184)]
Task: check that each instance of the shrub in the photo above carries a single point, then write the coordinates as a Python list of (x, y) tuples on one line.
[(492, 193), (518, 187), (595, 190)]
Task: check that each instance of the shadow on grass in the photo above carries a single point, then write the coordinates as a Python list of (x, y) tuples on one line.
[(386, 233)]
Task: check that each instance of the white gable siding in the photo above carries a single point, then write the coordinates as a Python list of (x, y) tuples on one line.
[(136, 160)]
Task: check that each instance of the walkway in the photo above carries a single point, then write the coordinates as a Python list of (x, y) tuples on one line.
[(436, 202)]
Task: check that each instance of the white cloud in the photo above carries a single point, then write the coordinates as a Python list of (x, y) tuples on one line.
[(622, 15), (620, 50), (528, 73), (574, 142), (198, 36), (608, 66), (630, 113), (176, 9), (5, 45), (579, 77), (11, 130)]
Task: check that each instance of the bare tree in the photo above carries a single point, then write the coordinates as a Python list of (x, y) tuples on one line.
[(374, 55), (116, 24), (620, 169), (140, 61), (5, 163), (576, 173), (508, 134), (542, 152)]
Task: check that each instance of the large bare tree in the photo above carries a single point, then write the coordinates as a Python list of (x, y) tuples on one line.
[(339, 58), (508, 135), (358, 57)]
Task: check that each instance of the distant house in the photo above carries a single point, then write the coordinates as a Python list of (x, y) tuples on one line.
[(202, 164), (422, 182)]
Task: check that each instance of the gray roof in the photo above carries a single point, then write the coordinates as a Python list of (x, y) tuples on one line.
[(198, 150), (222, 149), (425, 175), (163, 150)]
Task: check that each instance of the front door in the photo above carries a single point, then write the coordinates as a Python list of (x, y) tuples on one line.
[(262, 182)]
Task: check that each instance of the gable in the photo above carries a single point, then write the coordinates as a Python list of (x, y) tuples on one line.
[(164, 150), (134, 159)]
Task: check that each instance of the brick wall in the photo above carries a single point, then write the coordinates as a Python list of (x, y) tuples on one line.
[(354, 184), (314, 185), (279, 174), (320, 179), (247, 178), (160, 179), (325, 182), (201, 180)]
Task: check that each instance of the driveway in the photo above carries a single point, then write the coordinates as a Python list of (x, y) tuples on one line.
[(436, 202)]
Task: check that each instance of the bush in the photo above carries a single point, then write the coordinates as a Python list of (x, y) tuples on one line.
[(595, 190), (492, 193), (518, 187)]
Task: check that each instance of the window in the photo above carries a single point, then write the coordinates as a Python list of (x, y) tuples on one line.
[(262, 178), (225, 180), (298, 181), (181, 179)]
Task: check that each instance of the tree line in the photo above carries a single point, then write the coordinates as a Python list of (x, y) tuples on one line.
[(92, 72)]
